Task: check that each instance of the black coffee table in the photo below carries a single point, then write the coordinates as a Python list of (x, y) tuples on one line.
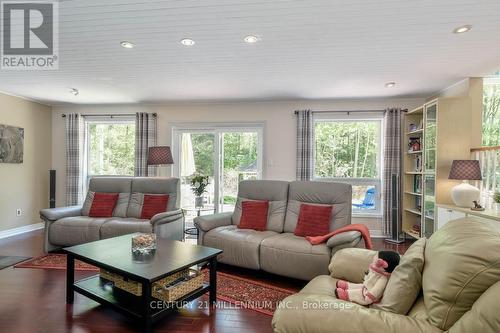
[(115, 255)]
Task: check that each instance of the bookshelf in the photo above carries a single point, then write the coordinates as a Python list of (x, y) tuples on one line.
[(412, 166), (434, 134)]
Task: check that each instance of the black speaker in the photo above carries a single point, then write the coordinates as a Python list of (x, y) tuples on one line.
[(52, 193), (396, 235)]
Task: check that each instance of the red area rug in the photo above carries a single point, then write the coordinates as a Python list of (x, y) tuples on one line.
[(55, 261), (241, 293)]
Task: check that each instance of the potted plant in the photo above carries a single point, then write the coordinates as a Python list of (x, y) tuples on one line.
[(199, 185), (496, 203)]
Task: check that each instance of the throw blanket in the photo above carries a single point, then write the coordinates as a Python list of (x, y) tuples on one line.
[(365, 233)]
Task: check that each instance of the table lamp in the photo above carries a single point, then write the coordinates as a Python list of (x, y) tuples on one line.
[(464, 194), (160, 155)]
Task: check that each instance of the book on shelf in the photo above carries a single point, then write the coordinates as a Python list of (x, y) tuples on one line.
[(418, 203), (417, 183), (417, 163)]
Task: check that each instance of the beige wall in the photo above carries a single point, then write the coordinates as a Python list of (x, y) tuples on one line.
[(279, 132), (25, 185), (472, 88)]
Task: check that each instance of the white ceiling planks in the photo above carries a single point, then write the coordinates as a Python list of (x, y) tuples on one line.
[(308, 50)]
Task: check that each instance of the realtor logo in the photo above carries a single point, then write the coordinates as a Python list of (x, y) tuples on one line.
[(29, 35)]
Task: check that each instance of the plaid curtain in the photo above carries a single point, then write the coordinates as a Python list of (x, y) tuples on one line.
[(74, 159), (392, 161), (145, 137), (304, 144)]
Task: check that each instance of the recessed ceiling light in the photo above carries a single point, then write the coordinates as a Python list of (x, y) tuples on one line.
[(462, 29), (74, 91), (187, 42), (127, 45), (250, 39), (390, 84)]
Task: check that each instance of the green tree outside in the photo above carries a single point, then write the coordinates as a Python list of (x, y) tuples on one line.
[(346, 149), (491, 112), (111, 149)]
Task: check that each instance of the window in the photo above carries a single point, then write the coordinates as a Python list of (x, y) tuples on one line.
[(227, 153), (110, 146), (347, 148), (491, 110)]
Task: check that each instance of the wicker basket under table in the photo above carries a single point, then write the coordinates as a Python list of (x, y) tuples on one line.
[(194, 280), (159, 291)]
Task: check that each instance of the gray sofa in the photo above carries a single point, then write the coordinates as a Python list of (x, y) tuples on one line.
[(67, 226), (277, 250)]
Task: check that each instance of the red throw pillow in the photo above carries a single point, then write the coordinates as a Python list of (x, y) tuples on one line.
[(254, 215), (153, 204), (314, 220), (103, 204)]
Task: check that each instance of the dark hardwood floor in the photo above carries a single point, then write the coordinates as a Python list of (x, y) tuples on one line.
[(33, 300)]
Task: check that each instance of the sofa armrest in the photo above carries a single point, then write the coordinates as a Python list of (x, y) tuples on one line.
[(167, 217), (54, 214), (302, 313), (208, 222), (351, 264), (347, 237)]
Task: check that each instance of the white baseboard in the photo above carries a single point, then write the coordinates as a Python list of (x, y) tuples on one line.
[(21, 230)]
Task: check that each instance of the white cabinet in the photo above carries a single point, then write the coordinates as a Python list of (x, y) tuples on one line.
[(445, 215)]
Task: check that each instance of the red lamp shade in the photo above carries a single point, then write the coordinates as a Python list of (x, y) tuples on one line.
[(160, 155), (465, 170)]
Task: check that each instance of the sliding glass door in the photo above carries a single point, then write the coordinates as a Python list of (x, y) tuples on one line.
[(196, 156), (227, 155), (240, 160)]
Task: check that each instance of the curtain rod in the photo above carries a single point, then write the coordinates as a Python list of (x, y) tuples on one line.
[(109, 115), (348, 112)]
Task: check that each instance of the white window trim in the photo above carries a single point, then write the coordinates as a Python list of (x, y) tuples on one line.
[(349, 116), (217, 129)]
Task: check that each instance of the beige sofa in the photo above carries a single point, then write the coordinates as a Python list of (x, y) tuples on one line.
[(278, 250), (67, 226), (459, 290)]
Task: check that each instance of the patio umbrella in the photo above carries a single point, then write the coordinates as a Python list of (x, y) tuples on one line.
[(188, 166)]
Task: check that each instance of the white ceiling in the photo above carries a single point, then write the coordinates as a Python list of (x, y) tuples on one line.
[(309, 50)]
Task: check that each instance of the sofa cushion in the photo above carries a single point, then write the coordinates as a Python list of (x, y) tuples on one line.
[(274, 191), (153, 204), (158, 185), (123, 226), (121, 205), (135, 205), (87, 203), (240, 246), (120, 208), (483, 316), (338, 195), (254, 215), (351, 264), (418, 310), (405, 282), (75, 230), (314, 220), (290, 255), (321, 285), (103, 204), (461, 262)]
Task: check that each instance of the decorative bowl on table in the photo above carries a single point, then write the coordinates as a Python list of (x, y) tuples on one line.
[(144, 244)]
